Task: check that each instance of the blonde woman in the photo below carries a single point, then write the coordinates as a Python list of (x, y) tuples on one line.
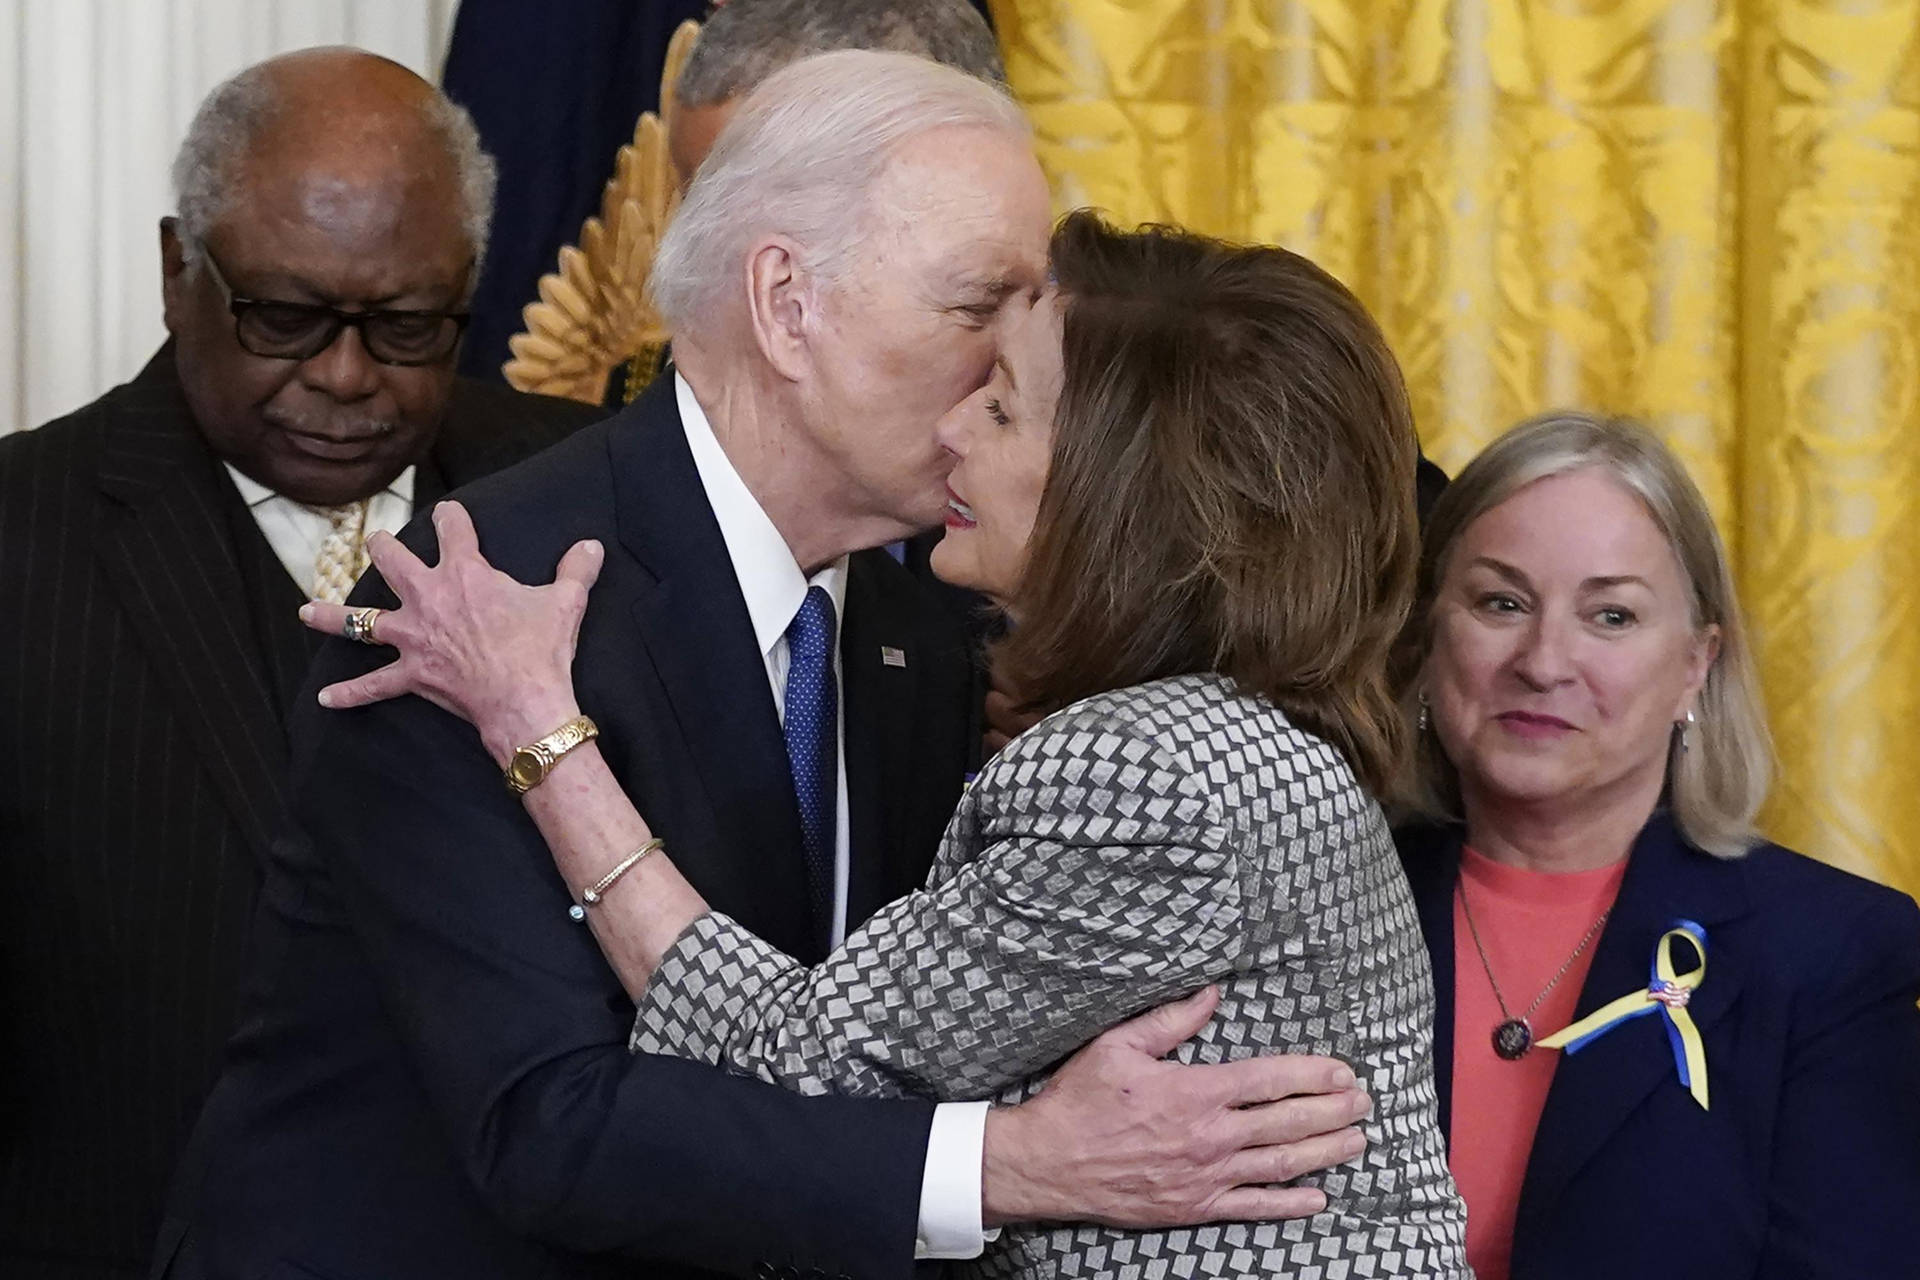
[(1592, 752)]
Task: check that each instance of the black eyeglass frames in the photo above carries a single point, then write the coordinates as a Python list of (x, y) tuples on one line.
[(302, 330)]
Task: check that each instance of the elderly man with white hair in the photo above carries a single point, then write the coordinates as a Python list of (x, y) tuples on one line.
[(434, 1079)]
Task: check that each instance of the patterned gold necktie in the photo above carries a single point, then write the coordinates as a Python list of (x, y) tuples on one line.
[(343, 553)]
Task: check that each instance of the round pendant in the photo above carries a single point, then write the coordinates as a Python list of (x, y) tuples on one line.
[(1512, 1039)]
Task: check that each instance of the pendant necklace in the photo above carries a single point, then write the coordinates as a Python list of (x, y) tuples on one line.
[(1514, 1036)]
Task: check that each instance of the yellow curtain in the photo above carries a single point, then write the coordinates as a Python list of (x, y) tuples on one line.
[(1703, 214)]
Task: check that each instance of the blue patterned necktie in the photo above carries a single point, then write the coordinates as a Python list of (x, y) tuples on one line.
[(813, 733)]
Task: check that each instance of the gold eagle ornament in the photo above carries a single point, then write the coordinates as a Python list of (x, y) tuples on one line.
[(594, 316)]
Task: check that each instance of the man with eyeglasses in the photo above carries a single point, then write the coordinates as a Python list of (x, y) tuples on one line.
[(154, 549)]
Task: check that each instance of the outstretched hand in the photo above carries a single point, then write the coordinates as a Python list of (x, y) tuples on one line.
[(493, 651)]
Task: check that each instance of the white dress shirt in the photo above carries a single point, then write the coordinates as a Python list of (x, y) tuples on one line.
[(295, 530), (774, 587)]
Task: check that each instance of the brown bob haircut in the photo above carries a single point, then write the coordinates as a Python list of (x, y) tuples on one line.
[(1231, 488)]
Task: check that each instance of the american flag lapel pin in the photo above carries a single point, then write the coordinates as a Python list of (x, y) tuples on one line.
[(892, 657)]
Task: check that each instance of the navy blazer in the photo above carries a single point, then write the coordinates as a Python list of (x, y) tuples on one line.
[(1808, 1164), (431, 1077)]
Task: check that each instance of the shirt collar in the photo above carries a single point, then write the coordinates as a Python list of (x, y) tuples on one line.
[(769, 577), (254, 494)]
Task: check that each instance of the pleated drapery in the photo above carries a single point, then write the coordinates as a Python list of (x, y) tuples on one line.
[(1701, 213)]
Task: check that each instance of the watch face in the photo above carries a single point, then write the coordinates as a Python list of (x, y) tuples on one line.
[(524, 769)]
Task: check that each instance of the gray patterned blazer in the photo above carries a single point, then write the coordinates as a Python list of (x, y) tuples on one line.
[(1122, 853)]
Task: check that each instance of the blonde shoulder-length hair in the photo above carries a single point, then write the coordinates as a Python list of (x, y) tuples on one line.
[(1715, 787)]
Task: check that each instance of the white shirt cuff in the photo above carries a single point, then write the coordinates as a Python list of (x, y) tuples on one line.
[(950, 1186)]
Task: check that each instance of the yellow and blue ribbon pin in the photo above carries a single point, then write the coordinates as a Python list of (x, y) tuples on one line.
[(1668, 992)]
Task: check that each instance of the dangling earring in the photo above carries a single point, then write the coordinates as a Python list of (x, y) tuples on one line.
[(1423, 713), (1685, 727)]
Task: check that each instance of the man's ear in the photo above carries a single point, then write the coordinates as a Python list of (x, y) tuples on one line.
[(175, 279), (780, 303)]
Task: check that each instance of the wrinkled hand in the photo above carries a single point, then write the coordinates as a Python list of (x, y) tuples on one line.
[(1121, 1137), (472, 641)]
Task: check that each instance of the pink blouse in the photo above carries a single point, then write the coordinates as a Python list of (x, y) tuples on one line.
[(1530, 922)]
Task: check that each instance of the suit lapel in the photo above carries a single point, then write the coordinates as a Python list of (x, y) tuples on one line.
[(880, 669), (1432, 860), (273, 600), (430, 482), (166, 546), (1595, 1090), (694, 626)]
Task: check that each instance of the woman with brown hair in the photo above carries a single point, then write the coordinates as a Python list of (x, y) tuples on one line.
[(1189, 482)]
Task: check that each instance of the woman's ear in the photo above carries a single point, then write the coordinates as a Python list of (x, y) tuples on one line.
[(1704, 652), (780, 301)]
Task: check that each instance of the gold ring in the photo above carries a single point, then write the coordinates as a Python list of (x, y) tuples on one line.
[(358, 626)]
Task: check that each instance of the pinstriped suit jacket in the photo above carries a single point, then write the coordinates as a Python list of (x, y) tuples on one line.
[(150, 654), (1122, 853)]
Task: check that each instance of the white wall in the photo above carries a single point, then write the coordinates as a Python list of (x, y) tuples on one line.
[(94, 98)]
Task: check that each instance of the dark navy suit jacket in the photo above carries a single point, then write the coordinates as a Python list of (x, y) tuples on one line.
[(431, 1076), (1808, 1163)]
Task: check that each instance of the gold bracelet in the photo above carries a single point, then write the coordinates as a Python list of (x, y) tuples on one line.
[(592, 897)]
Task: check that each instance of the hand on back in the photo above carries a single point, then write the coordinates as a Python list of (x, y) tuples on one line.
[(472, 640), (1123, 1137)]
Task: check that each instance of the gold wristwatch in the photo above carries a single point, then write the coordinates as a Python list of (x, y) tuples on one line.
[(532, 763)]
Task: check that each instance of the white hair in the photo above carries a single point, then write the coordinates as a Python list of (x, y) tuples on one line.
[(233, 115), (799, 160)]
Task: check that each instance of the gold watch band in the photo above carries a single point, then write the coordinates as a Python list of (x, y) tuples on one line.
[(532, 763)]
